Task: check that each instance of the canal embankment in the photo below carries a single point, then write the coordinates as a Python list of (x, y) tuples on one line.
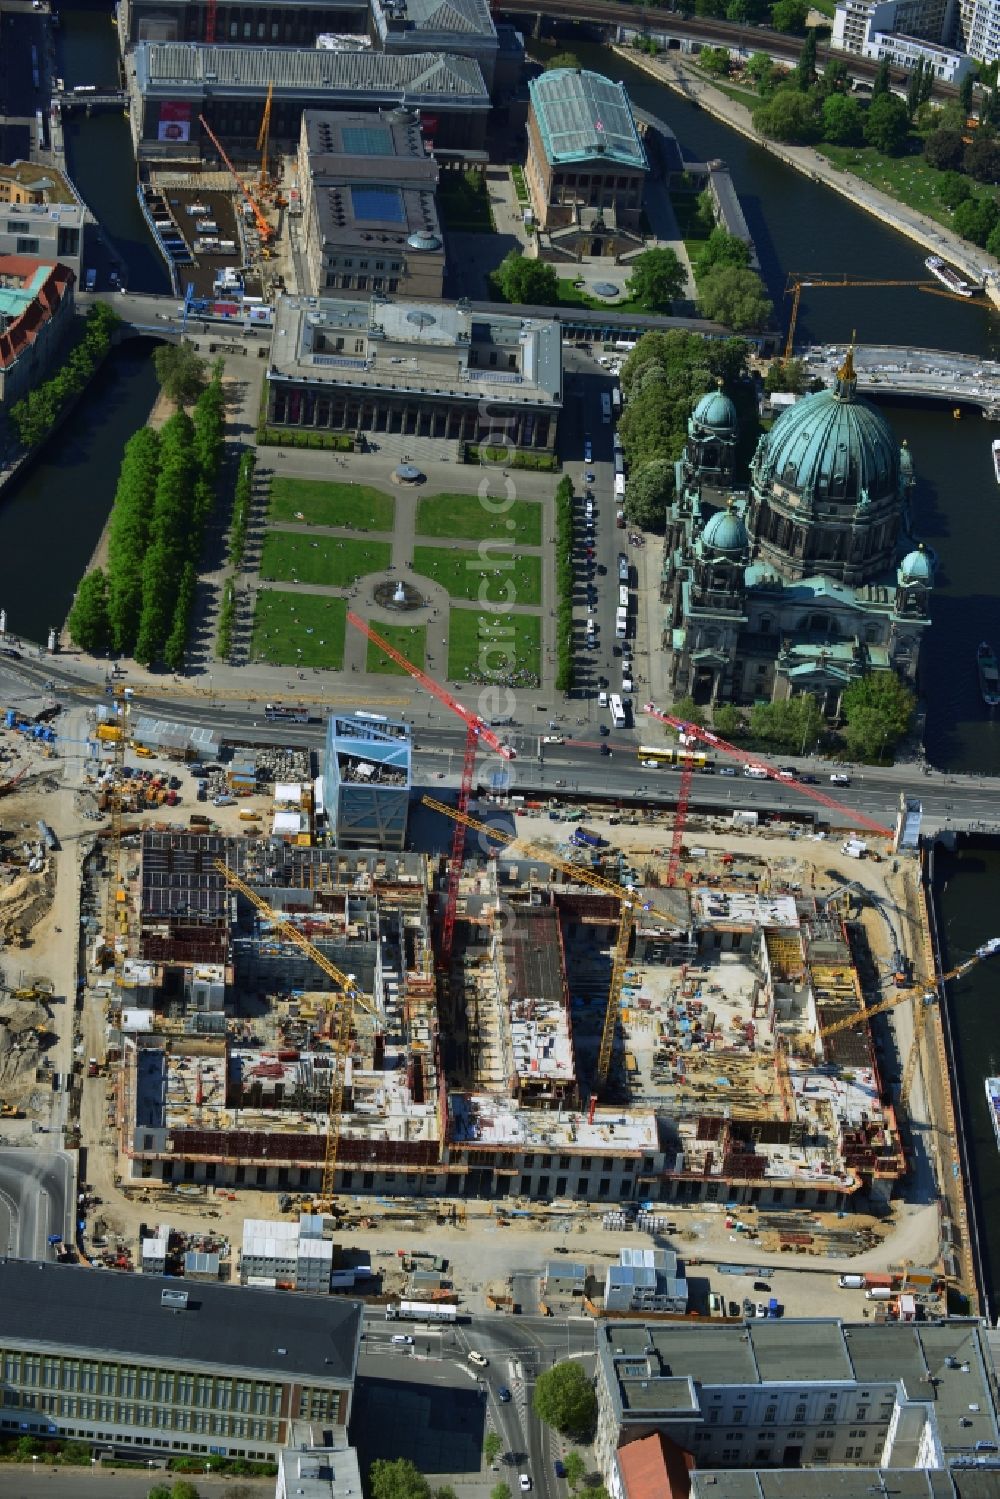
[(681, 76)]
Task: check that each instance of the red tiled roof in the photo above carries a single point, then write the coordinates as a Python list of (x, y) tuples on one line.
[(25, 329), (655, 1468)]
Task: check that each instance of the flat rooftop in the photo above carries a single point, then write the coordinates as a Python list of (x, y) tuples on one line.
[(436, 348), (743, 908), (499, 1121), (71, 1308)]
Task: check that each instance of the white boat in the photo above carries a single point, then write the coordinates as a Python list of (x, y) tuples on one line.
[(996, 459), (947, 277), (993, 1099)]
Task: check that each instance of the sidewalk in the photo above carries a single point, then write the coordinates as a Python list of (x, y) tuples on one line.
[(677, 73)]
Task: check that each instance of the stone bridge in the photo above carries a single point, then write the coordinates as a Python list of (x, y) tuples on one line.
[(933, 374)]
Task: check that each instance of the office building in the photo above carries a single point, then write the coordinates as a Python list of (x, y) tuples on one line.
[(368, 186), (805, 1394), (318, 1463), (421, 369), (366, 781), (906, 51), (290, 1256), (142, 1365), (40, 215), (586, 168), (36, 315), (923, 20)]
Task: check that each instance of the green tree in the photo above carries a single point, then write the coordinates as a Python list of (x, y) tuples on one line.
[(841, 120), (882, 82), (88, 618), (500, 1491), (687, 709), (914, 89), (835, 78), (789, 15), (975, 219), (397, 1478), (715, 60), (982, 158), (728, 721), (794, 724), (492, 1446), (993, 241), (649, 489), (710, 9), (965, 91), (786, 375), (787, 116), (736, 298), (180, 371), (526, 283), (953, 189), (564, 1398), (576, 1470), (805, 72), (722, 248), (886, 124), (945, 149), (877, 711), (657, 279), (563, 60), (181, 1488), (763, 74)]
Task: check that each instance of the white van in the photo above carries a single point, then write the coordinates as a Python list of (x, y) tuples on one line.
[(839, 779), (755, 772), (591, 627), (626, 682), (602, 702)]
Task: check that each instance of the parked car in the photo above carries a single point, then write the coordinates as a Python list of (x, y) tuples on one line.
[(761, 1310), (559, 1467), (525, 1482)]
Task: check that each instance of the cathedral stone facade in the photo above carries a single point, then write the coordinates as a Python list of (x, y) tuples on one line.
[(796, 585)]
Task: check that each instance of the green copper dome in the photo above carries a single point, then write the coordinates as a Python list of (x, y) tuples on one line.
[(725, 532), (716, 410), (916, 567), (833, 445)]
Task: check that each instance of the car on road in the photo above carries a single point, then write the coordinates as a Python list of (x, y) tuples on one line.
[(479, 1359), (503, 1394), (402, 1337), (559, 1468), (727, 770), (650, 764), (601, 570), (807, 780), (552, 739), (605, 749), (525, 1481), (786, 773), (603, 730)]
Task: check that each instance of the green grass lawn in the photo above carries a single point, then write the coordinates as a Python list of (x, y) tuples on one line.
[(494, 647), (909, 178), (466, 515), (291, 557), (461, 573), (409, 640), (323, 504), (287, 624)]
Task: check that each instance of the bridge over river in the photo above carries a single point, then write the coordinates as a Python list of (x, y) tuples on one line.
[(932, 373)]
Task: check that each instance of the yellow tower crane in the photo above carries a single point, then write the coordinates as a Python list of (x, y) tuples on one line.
[(263, 141), (925, 1000), (116, 907), (352, 998), (628, 898), (797, 283)]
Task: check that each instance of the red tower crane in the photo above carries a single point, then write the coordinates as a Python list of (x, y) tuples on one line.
[(477, 732), (690, 731)]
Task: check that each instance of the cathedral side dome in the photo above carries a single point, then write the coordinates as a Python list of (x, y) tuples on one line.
[(717, 411), (832, 445), (916, 567), (725, 532)]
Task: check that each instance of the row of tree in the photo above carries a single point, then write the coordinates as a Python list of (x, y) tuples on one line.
[(36, 414), (143, 606), (564, 584), (242, 500), (661, 380), (877, 711)]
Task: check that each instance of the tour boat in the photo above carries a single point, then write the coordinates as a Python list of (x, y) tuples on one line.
[(993, 1099), (996, 459), (989, 676), (947, 277)]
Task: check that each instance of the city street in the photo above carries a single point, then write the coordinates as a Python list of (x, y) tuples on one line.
[(36, 1200)]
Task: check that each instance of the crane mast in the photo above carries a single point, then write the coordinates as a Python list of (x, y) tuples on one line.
[(264, 229)]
